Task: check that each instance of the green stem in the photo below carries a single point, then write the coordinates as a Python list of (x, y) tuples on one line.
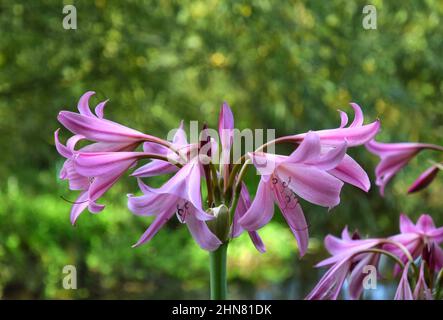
[(218, 279)]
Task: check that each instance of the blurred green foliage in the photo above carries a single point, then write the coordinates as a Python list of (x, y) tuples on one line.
[(287, 66)]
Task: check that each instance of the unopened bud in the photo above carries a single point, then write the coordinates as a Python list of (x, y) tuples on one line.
[(220, 225)]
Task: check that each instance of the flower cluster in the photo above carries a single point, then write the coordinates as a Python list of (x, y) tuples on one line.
[(315, 171), (416, 248)]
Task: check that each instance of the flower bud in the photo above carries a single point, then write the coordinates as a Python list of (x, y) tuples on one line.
[(220, 225)]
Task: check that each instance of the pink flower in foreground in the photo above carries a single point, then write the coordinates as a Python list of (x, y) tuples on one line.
[(395, 156), (355, 134), (69, 170), (96, 128), (349, 257), (285, 178), (180, 195), (419, 238), (94, 168)]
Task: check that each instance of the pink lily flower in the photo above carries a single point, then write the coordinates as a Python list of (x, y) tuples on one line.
[(395, 156), (181, 196), (96, 128), (348, 170), (355, 134), (419, 238), (349, 257), (116, 142), (404, 291), (305, 174), (78, 181)]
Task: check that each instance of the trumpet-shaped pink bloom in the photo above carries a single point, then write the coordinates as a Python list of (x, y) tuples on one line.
[(419, 238), (96, 128), (181, 196), (349, 257), (285, 178), (85, 183), (355, 134), (81, 168), (404, 291), (395, 156)]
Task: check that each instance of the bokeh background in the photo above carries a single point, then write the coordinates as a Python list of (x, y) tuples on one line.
[(287, 65)]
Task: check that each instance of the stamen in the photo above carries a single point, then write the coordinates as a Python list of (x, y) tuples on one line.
[(73, 202), (182, 212)]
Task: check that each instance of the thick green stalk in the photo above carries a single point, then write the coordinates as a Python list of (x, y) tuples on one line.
[(218, 281)]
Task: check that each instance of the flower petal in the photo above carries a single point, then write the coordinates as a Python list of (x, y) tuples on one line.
[(155, 226), (311, 184), (226, 127), (421, 291), (308, 150), (293, 214), (185, 184), (62, 149), (329, 286), (406, 225), (80, 204), (83, 104), (349, 171), (404, 291), (201, 233), (425, 223), (95, 164), (96, 129), (180, 136), (261, 209), (358, 275), (99, 109), (155, 168), (257, 241), (358, 116), (436, 235), (244, 203), (343, 118), (152, 203), (332, 158), (355, 136)]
